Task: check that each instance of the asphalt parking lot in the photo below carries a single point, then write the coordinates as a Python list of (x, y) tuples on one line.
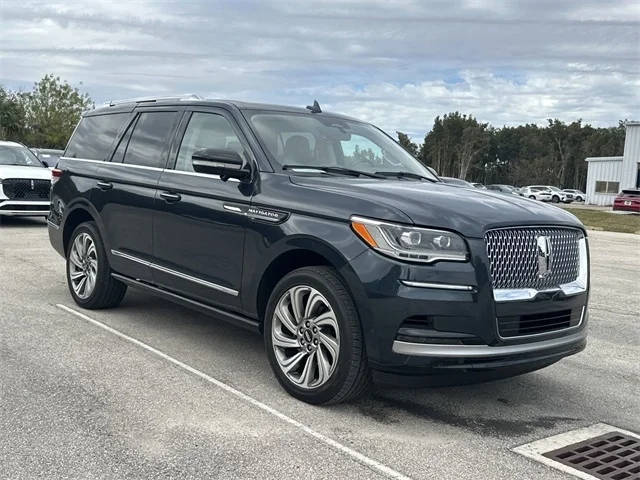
[(78, 400)]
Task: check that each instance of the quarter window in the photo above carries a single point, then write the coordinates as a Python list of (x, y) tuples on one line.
[(94, 136), (150, 139), (206, 130)]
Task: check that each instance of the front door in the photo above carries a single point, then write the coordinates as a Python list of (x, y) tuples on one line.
[(199, 231)]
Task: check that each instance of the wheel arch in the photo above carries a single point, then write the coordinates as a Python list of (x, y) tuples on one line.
[(300, 252), (76, 215)]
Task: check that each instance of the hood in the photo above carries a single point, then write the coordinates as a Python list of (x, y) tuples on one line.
[(17, 171), (469, 211)]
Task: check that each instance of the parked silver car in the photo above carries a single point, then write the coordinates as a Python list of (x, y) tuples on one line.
[(578, 195)]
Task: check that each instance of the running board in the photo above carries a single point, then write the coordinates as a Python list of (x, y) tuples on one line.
[(230, 317)]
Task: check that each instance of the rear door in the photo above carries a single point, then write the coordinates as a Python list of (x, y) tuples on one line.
[(199, 224), (127, 187)]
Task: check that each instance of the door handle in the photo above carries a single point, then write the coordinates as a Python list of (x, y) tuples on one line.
[(170, 197), (105, 185)]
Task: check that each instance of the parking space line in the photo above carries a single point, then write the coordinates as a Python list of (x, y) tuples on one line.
[(355, 455)]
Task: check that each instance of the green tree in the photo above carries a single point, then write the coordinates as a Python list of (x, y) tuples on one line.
[(407, 144), (454, 143), (12, 118), (52, 110)]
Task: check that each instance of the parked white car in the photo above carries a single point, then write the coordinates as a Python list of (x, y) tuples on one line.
[(537, 192), (560, 195), (578, 195), (557, 195), (25, 182)]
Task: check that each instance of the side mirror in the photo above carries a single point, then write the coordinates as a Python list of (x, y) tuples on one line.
[(226, 163)]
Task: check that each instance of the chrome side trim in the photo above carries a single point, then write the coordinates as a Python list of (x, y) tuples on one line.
[(479, 351), (184, 276), (231, 208), (442, 286), (115, 164), (196, 174)]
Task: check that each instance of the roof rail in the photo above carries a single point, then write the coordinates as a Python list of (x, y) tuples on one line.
[(185, 97)]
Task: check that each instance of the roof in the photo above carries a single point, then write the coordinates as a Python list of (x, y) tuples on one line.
[(128, 105), (603, 159), (632, 123), (10, 144)]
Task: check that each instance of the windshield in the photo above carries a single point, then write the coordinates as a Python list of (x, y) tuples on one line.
[(321, 141), (18, 155)]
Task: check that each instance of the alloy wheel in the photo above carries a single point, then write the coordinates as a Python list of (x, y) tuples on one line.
[(83, 265), (305, 337)]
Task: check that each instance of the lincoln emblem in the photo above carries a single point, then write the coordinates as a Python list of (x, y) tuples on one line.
[(543, 251)]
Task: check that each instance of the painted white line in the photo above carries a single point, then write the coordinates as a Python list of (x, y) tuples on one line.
[(536, 450), (357, 456)]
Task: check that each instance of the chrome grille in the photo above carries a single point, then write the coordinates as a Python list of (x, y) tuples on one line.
[(513, 257)]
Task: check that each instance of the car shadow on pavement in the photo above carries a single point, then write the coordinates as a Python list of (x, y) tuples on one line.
[(501, 408)]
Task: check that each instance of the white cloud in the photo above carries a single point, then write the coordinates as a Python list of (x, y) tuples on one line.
[(398, 64)]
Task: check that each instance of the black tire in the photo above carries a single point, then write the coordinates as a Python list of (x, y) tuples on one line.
[(555, 199), (107, 292), (532, 197), (350, 378)]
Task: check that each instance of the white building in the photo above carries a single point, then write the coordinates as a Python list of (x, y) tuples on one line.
[(607, 176)]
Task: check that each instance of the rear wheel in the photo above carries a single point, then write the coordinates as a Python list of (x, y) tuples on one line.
[(313, 337), (88, 272)]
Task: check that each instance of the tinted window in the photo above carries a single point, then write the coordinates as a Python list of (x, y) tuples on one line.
[(94, 136), (118, 155), (206, 130), (150, 139)]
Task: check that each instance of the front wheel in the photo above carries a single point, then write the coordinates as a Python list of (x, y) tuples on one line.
[(555, 199), (88, 272), (313, 337), (532, 197)]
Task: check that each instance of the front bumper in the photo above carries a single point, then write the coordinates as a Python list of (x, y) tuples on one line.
[(450, 308), (24, 208)]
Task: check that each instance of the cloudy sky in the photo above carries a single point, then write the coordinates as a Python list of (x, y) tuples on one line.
[(397, 63)]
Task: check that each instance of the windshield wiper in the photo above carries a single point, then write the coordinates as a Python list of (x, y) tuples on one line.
[(405, 175), (329, 169)]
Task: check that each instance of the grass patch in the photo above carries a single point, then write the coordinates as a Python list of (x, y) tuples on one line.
[(611, 222)]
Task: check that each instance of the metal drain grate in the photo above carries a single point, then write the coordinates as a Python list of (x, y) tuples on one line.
[(611, 456)]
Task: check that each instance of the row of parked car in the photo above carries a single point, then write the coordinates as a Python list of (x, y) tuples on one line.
[(545, 193)]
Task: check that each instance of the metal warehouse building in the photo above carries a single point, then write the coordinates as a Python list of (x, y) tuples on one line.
[(607, 176)]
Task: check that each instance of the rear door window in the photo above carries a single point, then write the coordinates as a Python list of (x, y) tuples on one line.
[(94, 136), (150, 139)]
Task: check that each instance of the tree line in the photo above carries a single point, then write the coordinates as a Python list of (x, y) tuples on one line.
[(458, 145), (43, 117)]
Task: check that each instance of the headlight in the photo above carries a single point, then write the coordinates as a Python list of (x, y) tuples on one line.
[(410, 243)]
